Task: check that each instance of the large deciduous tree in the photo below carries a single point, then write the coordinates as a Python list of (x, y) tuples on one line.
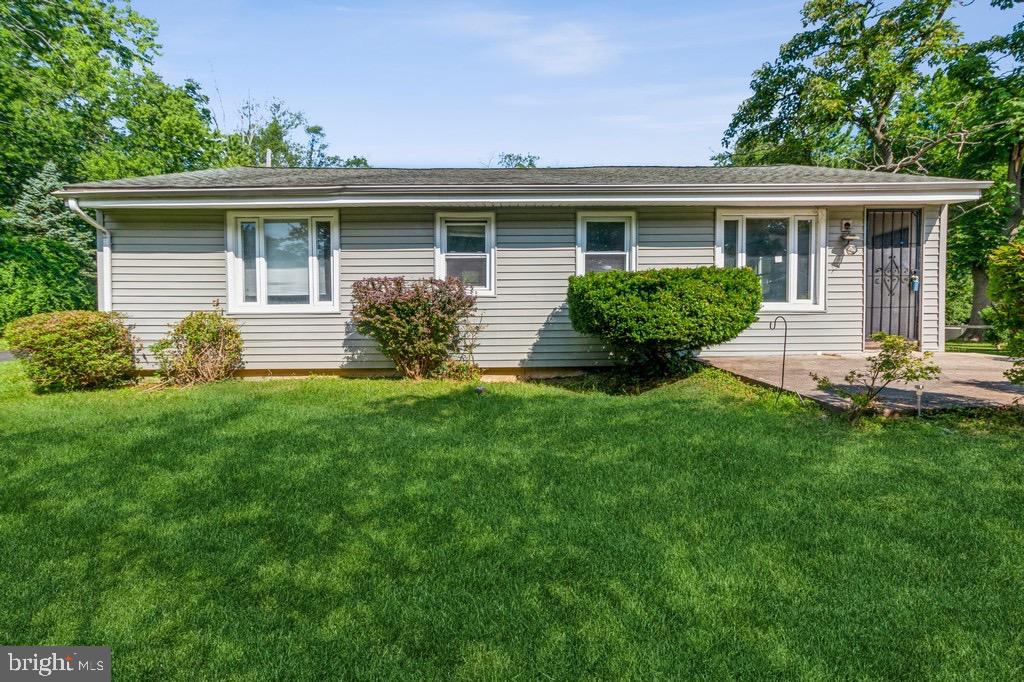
[(80, 101), (986, 81), (1003, 83), (59, 63), (831, 95), (890, 86), (154, 128)]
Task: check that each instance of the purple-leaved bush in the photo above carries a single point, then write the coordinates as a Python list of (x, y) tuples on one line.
[(419, 324)]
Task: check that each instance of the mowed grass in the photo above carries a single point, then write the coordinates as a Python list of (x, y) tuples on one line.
[(330, 529), (974, 347)]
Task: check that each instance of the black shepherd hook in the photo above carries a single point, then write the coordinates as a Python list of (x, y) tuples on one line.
[(785, 340)]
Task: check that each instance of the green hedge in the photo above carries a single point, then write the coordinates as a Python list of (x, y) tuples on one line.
[(39, 275), (652, 317), (74, 349), (1006, 287)]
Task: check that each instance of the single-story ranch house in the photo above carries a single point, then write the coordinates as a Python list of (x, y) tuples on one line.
[(841, 254)]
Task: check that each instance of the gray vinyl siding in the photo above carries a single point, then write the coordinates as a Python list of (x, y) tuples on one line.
[(163, 265), (167, 263), (932, 322), (675, 237), (527, 322), (840, 327)]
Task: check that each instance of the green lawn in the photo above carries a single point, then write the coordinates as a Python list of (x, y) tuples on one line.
[(973, 347), (329, 528)]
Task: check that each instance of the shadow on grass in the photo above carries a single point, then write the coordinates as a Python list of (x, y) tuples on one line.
[(423, 530), (615, 381)]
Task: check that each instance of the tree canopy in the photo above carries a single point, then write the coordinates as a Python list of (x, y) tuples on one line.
[(61, 63), (77, 88), (513, 160), (832, 94), (80, 100), (893, 86), (277, 128)]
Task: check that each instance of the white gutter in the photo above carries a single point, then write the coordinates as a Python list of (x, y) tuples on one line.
[(103, 288)]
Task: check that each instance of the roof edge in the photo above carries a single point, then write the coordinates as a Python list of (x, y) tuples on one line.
[(906, 186), (849, 197)]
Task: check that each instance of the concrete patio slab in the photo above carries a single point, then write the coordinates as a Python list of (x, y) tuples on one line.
[(967, 379)]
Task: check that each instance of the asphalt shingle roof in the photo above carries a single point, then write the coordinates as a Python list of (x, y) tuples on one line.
[(257, 177)]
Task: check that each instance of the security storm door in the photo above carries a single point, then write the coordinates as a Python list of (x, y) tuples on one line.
[(893, 269)]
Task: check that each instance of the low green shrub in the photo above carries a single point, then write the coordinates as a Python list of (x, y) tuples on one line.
[(205, 346), (459, 370), (421, 325), (74, 349), (656, 319), (1006, 288)]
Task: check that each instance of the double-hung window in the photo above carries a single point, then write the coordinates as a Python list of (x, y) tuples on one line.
[(786, 250), (281, 262), (605, 241), (464, 248)]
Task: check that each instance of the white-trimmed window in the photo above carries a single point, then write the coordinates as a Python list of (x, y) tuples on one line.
[(605, 241), (282, 262), (785, 248), (464, 248)]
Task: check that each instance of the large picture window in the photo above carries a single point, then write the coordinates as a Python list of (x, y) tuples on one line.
[(785, 249), (605, 241), (282, 263), (464, 248)]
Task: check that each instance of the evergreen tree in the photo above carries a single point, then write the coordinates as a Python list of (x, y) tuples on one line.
[(38, 214)]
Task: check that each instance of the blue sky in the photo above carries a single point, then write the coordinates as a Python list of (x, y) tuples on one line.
[(454, 84)]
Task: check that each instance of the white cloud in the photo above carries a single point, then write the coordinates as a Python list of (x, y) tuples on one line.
[(563, 48)]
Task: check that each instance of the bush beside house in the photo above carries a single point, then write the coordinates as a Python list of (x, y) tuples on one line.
[(205, 346), (656, 319), (1006, 288), (897, 361), (421, 325), (74, 349)]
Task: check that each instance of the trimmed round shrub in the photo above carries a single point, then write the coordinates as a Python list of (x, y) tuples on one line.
[(205, 346), (655, 319), (420, 325), (74, 349)]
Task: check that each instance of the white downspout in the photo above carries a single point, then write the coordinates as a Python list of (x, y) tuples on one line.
[(103, 293)]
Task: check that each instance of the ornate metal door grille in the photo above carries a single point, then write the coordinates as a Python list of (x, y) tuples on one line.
[(893, 255)]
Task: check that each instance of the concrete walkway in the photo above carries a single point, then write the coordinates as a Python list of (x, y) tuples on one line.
[(967, 379), (5, 355)]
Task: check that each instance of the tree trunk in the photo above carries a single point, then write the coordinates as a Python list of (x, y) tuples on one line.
[(883, 146), (979, 301)]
